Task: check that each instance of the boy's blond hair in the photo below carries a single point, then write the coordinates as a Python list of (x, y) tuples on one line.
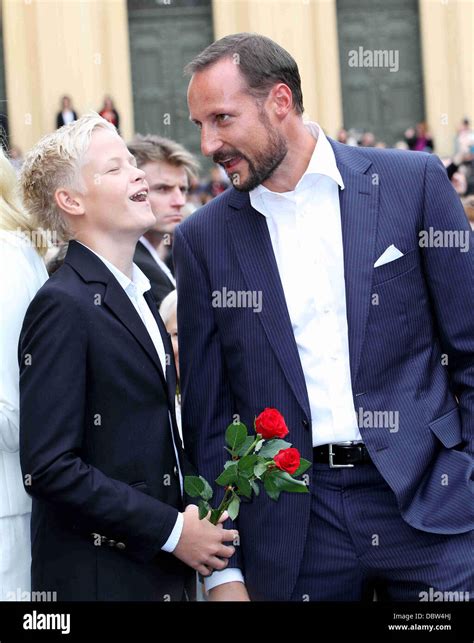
[(55, 162)]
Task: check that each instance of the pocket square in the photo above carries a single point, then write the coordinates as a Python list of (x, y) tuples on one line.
[(390, 254)]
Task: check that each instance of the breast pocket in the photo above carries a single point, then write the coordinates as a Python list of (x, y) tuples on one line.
[(395, 268)]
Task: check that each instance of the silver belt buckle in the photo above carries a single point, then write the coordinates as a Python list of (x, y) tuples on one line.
[(331, 460)]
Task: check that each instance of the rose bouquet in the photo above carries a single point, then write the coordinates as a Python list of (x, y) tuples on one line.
[(255, 460)]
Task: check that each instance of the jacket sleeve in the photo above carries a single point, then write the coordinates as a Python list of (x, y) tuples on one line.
[(53, 367), (207, 404), (450, 277)]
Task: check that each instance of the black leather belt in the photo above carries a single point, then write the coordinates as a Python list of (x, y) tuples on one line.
[(341, 454)]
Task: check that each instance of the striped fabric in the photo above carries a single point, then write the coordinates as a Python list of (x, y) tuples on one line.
[(411, 341)]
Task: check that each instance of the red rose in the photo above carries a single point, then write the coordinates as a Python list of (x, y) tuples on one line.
[(271, 424), (288, 460)]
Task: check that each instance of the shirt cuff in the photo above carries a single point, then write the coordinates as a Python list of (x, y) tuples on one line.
[(175, 535), (225, 576)]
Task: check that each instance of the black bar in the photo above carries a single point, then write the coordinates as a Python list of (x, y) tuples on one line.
[(238, 622)]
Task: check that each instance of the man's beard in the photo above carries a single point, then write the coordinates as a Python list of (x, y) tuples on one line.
[(264, 163)]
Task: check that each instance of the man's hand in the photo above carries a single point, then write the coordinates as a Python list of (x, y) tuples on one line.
[(201, 543), (234, 591)]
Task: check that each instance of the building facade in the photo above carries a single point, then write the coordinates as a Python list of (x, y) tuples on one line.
[(372, 65)]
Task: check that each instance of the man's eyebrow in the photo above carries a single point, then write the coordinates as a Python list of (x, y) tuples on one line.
[(163, 184)]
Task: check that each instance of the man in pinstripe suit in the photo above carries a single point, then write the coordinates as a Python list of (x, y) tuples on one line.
[(363, 341)]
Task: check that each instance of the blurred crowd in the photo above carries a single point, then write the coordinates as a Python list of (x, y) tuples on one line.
[(201, 189)]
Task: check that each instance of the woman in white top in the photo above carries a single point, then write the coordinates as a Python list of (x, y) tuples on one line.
[(22, 273)]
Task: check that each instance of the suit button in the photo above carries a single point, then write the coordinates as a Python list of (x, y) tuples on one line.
[(175, 471), (305, 423), (120, 545), (111, 543)]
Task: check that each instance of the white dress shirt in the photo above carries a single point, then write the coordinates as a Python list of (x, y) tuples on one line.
[(135, 288), (158, 259), (306, 235)]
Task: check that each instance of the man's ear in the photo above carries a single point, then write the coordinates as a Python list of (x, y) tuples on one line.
[(282, 99), (69, 201)]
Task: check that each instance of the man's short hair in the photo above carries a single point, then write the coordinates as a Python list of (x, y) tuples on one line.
[(55, 162), (151, 148), (262, 62)]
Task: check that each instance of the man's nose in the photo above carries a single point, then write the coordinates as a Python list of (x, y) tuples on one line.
[(210, 143), (178, 198)]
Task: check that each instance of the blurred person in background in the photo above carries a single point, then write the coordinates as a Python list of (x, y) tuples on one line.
[(109, 112), (168, 312), (367, 140), (168, 168), (464, 142), (419, 139), (219, 183), (22, 274), (66, 114)]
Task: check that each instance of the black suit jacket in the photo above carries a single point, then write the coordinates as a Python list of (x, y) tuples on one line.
[(160, 282), (95, 440)]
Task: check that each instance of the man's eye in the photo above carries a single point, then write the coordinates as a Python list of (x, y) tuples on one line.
[(114, 169), (222, 118)]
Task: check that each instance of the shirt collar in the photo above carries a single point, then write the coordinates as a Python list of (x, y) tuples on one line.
[(323, 161), (138, 284)]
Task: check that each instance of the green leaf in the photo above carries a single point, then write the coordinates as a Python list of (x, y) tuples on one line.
[(233, 508), (243, 487), (235, 435), (206, 493), (246, 444), (255, 487), (272, 447), (271, 488), (285, 482), (232, 453), (194, 486), (304, 465), (247, 463), (228, 476), (259, 469), (204, 509)]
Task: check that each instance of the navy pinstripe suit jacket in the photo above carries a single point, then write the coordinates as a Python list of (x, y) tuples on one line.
[(234, 360)]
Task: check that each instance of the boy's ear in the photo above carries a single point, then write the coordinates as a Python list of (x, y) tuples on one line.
[(69, 201)]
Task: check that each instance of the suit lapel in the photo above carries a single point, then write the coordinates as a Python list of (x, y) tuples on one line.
[(92, 269), (257, 262), (117, 300), (359, 205)]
